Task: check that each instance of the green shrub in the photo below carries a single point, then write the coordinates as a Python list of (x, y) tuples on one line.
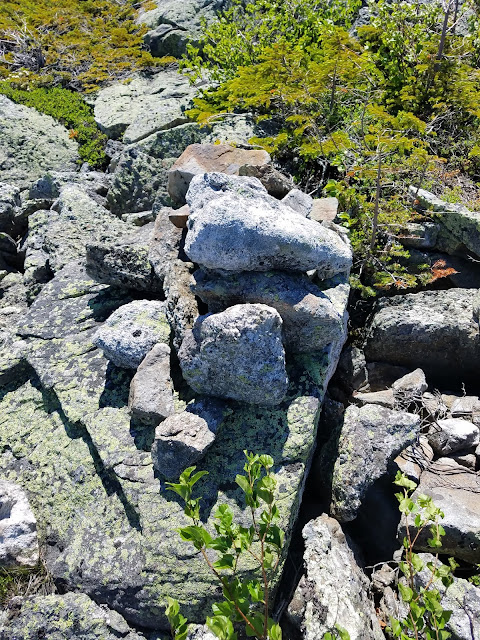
[(71, 110)]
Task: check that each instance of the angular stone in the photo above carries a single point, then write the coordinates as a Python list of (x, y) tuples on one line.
[(382, 398), (415, 459), (9, 201), (310, 320), (198, 159), (334, 588), (131, 331), (276, 184), (454, 489), (124, 263), (18, 528), (184, 438), (234, 225), (179, 217), (381, 375), (371, 436), (433, 330), (32, 144), (300, 202), (453, 434), (410, 387), (151, 390), (180, 302), (166, 243), (324, 209), (237, 354), (66, 617)]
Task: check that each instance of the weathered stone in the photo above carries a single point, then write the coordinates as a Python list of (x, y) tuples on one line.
[(166, 243), (9, 201), (351, 374), (468, 460), (453, 434), (310, 320), (433, 330), (419, 235), (59, 236), (47, 188), (415, 458), (467, 407), (137, 181), (31, 144), (237, 354), (381, 375), (72, 616), (144, 106), (124, 263), (382, 398), (454, 489), (334, 589), (324, 209), (131, 331), (151, 390), (179, 217), (18, 528), (234, 225), (371, 436), (200, 632), (184, 438), (180, 303), (300, 202), (410, 387), (198, 159), (276, 184)]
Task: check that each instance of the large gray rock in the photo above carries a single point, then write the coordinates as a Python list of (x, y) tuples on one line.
[(131, 331), (73, 616), (300, 202), (234, 225), (166, 243), (125, 262), (32, 144), (18, 528), (433, 330), (60, 235), (144, 106), (310, 320), (183, 439), (455, 490), (198, 159), (371, 436), (137, 181), (452, 435), (334, 589), (9, 202), (151, 392), (237, 354), (277, 184)]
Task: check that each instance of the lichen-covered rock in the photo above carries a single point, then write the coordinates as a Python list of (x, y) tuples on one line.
[(184, 438), (166, 243), (300, 202), (198, 159), (180, 302), (237, 354), (452, 435), (310, 320), (18, 528), (151, 391), (234, 225), (73, 616), (124, 263), (371, 436), (9, 201), (131, 331), (454, 489), (32, 144), (137, 181), (334, 589), (144, 106), (433, 330)]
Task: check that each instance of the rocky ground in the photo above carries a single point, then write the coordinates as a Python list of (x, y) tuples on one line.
[(190, 303)]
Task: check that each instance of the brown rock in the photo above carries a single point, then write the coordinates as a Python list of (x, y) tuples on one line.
[(324, 209), (179, 217), (274, 182)]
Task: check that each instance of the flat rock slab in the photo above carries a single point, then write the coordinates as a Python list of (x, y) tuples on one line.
[(370, 437), (145, 105), (208, 158), (234, 225), (68, 617), (31, 144), (456, 491), (334, 588), (237, 354), (310, 319), (434, 330)]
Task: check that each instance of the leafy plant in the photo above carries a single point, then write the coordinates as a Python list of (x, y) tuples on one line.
[(246, 599), (426, 618)]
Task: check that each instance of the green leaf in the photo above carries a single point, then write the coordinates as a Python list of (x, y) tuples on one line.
[(274, 630), (226, 561), (243, 483), (343, 633), (405, 592), (222, 627)]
